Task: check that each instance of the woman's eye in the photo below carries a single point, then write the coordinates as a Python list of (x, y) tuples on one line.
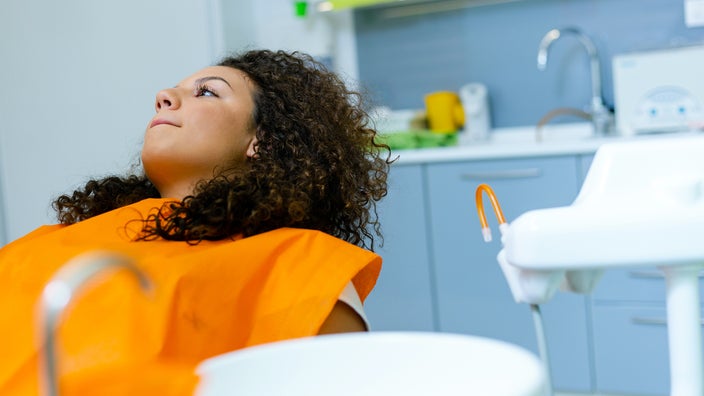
[(205, 91)]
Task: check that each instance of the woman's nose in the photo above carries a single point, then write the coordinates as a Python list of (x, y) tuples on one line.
[(167, 99)]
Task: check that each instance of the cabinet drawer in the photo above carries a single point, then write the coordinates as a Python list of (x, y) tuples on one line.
[(645, 284), (630, 349)]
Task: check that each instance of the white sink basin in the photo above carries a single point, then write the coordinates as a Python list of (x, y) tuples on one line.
[(377, 363)]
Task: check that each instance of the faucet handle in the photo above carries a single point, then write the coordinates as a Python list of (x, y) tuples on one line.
[(560, 111)]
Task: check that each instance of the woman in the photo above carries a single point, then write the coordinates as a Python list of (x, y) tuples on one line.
[(255, 172)]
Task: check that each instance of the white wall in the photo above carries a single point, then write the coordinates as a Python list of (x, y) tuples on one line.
[(77, 86), (273, 24)]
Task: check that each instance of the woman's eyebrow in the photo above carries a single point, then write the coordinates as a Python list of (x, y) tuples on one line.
[(209, 78)]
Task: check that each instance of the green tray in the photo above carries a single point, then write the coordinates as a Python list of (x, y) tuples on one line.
[(417, 139)]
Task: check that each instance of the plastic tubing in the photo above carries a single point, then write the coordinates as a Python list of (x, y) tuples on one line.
[(486, 231)]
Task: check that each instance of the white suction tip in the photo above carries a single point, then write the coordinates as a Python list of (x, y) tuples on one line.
[(486, 233), (503, 228)]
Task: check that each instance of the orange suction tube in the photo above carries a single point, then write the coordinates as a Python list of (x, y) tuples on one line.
[(484, 188)]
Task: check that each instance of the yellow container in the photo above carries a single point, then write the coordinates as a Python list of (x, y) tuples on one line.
[(444, 111)]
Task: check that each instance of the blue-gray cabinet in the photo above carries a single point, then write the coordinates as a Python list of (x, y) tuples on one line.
[(630, 332), (439, 274), (402, 298), (473, 296), (630, 348)]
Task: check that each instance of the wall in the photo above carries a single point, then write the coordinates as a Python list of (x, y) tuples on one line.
[(78, 83), (402, 59), (273, 24)]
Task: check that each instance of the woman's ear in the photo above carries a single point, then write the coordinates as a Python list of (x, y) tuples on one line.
[(252, 148)]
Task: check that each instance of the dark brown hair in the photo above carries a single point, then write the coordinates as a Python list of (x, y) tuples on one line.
[(318, 165)]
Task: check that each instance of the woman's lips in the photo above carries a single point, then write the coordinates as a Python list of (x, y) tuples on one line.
[(160, 121)]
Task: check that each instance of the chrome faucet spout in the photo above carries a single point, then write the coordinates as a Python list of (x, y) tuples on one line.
[(59, 292), (601, 116), (549, 37)]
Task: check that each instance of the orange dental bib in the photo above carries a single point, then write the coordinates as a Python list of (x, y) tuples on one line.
[(208, 299)]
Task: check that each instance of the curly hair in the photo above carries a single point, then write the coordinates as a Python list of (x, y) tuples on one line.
[(318, 165)]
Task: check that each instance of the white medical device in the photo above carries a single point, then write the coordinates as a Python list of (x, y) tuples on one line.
[(659, 91), (642, 203)]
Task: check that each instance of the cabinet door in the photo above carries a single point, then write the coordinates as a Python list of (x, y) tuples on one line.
[(644, 284), (472, 293), (402, 299), (585, 162), (630, 349)]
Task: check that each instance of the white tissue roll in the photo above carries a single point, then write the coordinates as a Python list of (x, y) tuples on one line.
[(475, 102)]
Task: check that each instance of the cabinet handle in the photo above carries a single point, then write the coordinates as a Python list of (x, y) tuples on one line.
[(502, 174), (653, 274), (648, 321), (652, 321), (646, 274)]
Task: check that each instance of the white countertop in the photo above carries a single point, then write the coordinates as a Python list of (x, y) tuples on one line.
[(558, 139)]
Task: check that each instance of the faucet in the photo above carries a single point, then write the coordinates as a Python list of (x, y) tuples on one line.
[(57, 295), (600, 115)]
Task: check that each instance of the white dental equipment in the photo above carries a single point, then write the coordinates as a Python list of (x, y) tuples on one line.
[(642, 203)]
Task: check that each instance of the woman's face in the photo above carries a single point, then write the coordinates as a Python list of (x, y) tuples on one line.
[(202, 125)]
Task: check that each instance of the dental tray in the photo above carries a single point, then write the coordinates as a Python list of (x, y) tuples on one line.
[(641, 203)]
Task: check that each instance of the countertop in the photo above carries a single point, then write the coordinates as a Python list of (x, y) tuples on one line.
[(519, 142)]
